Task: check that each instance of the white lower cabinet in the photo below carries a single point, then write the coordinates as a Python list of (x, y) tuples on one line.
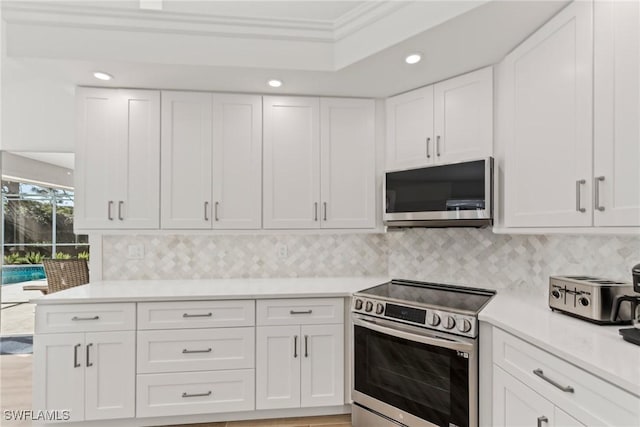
[(299, 366), (515, 404), (299, 353), (91, 374), (534, 387)]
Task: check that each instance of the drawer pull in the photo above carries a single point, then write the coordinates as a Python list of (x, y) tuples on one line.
[(75, 318), (566, 389), (185, 351), (185, 394), (541, 420), (300, 312), (197, 315)]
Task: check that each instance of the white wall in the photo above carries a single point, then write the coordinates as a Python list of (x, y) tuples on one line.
[(25, 169), (37, 110)]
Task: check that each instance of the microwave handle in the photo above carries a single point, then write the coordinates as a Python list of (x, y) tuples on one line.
[(424, 339)]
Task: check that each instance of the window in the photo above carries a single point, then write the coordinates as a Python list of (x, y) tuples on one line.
[(38, 222)]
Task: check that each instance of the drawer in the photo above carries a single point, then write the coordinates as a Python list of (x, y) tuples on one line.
[(195, 314), (308, 311), (196, 350), (593, 400), (190, 393), (85, 317)]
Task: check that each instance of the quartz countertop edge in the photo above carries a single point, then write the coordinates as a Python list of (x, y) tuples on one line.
[(599, 350), (189, 290)]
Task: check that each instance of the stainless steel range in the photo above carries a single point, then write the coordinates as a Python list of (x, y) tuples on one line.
[(415, 354)]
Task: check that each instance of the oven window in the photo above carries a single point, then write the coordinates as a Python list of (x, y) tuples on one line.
[(426, 381)]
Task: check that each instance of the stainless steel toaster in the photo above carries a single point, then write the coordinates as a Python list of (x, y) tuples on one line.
[(589, 298)]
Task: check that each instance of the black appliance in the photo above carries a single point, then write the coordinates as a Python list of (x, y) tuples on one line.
[(632, 334)]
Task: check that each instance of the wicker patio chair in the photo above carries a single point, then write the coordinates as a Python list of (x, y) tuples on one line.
[(65, 273)]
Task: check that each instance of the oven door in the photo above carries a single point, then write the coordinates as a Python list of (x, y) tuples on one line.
[(414, 376)]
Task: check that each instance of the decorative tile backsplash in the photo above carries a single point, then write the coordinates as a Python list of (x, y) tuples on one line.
[(255, 256), (453, 255), (498, 261)]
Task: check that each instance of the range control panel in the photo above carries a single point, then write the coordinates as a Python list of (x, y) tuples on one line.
[(441, 320)]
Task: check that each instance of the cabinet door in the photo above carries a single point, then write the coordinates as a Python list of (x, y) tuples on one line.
[(186, 148), (347, 160), (515, 404), (464, 117), (291, 162), (138, 165), (110, 366), (278, 367), (548, 90), (95, 171), (237, 161), (58, 373), (617, 113), (562, 419), (410, 129), (322, 365)]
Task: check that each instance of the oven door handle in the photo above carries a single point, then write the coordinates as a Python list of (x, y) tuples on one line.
[(451, 344)]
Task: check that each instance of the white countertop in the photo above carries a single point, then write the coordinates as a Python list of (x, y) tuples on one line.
[(172, 290), (599, 350)]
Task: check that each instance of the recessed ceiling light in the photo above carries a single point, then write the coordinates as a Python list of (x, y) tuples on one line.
[(102, 76), (414, 58), (275, 83)]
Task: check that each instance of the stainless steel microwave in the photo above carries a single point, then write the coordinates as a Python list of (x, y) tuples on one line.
[(449, 195)]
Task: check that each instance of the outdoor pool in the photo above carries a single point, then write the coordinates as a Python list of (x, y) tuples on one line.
[(21, 273)]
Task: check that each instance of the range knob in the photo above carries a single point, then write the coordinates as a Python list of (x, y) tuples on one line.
[(464, 326), (583, 301), (379, 308), (368, 306), (433, 319), (358, 304), (555, 293), (449, 323)]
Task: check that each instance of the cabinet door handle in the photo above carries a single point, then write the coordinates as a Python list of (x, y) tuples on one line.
[(541, 420), (596, 189), (325, 210), (109, 210), (75, 355), (197, 315), (579, 207), (428, 154), (295, 346), (120, 204), (185, 351), (215, 213), (306, 346), (206, 211), (88, 355), (566, 389), (185, 394), (438, 145), (300, 312), (76, 318), (315, 211)]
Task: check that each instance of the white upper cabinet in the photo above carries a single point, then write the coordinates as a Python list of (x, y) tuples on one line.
[(447, 122), (617, 114), (347, 160), (118, 159), (464, 117), (291, 162), (211, 160), (410, 129), (187, 148), (547, 83), (237, 161)]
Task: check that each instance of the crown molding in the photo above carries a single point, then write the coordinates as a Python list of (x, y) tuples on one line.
[(96, 17)]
